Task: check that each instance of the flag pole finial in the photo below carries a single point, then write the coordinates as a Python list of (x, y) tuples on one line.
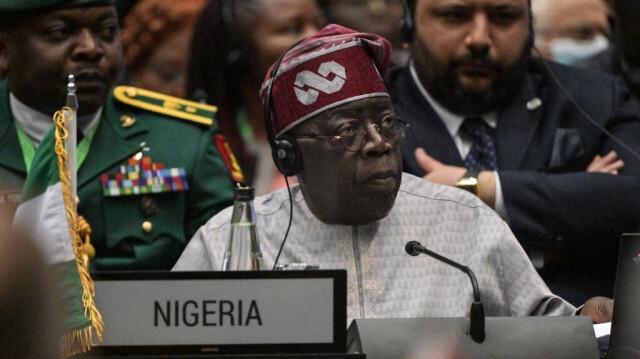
[(72, 101)]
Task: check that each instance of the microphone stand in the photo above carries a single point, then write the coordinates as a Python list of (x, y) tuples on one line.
[(476, 328)]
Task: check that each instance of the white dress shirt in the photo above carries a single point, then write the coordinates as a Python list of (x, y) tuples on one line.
[(453, 122), (35, 124)]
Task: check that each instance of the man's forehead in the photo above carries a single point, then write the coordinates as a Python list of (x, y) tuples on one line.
[(355, 109), (80, 17), (374, 104), (479, 3), (35, 6), (101, 12)]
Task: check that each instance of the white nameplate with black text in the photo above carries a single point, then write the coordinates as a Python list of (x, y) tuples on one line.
[(213, 310)]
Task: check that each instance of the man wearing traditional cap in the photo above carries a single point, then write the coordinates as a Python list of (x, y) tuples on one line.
[(486, 115), (354, 209), (149, 171)]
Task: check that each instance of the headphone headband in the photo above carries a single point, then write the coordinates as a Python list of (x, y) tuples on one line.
[(284, 149)]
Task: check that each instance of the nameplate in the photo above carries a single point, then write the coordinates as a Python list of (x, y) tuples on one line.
[(222, 312)]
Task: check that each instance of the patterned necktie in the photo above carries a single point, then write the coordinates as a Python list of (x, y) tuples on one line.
[(482, 155)]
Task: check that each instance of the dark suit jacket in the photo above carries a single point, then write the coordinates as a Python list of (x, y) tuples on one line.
[(543, 154), (120, 240)]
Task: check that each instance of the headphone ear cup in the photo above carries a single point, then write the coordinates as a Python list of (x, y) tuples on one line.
[(406, 23), (284, 149), (406, 29), (286, 155)]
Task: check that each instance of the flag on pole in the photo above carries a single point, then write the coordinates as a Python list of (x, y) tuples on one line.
[(47, 214)]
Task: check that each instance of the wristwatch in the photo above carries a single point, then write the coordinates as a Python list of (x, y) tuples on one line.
[(469, 182)]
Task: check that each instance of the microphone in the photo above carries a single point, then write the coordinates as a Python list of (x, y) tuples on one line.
[(476, 329)]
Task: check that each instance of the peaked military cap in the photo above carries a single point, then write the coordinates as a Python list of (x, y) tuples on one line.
[(20, 6)]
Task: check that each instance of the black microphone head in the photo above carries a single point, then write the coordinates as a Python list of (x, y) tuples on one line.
[(410, 248)]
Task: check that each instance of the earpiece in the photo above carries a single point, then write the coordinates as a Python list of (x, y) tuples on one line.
[(286, 155), (406, 23), (284, 149)]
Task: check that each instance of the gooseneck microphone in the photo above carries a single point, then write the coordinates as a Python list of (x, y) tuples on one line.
[(476, 329)]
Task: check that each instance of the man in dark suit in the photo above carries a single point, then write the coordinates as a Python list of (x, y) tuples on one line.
[(132, 139), (518, 132), (628, 13)]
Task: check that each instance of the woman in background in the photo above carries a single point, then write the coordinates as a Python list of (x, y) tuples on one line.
[(380, 17), (155, 40), (234, 43)]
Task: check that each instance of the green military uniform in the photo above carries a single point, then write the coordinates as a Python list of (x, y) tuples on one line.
[(132, 229), (12, 168)]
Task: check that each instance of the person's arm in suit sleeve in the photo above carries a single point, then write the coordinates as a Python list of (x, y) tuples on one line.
[(589, 206)]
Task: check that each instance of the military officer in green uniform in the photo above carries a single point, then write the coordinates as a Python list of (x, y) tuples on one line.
[(150, 172)]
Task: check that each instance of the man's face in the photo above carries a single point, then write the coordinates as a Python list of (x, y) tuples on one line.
[(470, 54), (165, 67), (578, 20), (349, 187), (280, 24), (380, 17), (46, 48)]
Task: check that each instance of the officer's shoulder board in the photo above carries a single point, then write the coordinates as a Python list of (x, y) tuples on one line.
[(166, 105)]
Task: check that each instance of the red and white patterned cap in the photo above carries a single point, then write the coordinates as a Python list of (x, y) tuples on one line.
[(333, 67)]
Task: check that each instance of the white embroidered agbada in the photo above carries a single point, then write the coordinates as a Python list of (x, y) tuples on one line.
[(383, 280)]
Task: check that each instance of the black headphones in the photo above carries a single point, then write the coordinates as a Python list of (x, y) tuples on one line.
[(284, 149), (406, 22), (407, 27)]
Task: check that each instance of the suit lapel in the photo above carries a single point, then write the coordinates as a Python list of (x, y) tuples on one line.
[(426, 129), (10, 150), (434, 137), (111, 145), (518, 123)]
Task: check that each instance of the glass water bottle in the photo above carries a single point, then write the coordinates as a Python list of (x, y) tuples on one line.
[(243, 247)]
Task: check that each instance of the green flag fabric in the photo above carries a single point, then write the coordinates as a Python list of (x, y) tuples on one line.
[(43, 216)]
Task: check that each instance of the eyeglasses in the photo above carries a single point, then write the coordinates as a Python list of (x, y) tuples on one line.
[(354, 135)]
